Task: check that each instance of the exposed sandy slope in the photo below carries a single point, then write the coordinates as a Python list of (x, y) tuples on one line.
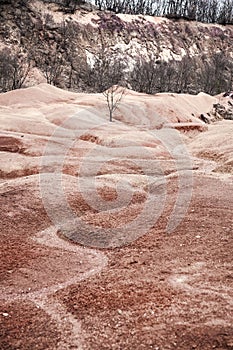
[(32, 115), (216, 145), (123, 185)]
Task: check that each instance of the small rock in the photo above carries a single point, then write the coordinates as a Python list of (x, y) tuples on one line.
[(5, 314)]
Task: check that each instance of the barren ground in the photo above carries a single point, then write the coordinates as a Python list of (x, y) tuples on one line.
[(162, 290)]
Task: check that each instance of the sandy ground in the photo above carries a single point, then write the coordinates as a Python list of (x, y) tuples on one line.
[(114, 235)]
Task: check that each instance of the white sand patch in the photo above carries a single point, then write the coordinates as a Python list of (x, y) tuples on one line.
[(168, 54), (90, 59), (193, 50), (131, 18)]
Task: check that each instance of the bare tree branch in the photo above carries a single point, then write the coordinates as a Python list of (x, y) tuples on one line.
[(113, 96)]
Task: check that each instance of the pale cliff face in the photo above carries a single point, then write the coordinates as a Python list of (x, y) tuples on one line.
[(40, 30)]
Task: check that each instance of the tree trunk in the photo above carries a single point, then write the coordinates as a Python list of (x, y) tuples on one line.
[(110, 115)]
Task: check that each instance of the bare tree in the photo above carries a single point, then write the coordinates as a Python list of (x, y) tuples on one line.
[(51, 67), (71, 52), (14, 70), (107, 68), (145, 75), (226, 12), (61, 54), (151, 76), (215, 73), (113, 96)]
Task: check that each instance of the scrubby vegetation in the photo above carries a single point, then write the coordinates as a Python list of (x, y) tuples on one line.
[(199, 58), (210, 11), (211, 73), (13, 71)]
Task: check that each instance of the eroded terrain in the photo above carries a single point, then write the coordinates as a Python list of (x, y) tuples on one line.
[(87, 261)]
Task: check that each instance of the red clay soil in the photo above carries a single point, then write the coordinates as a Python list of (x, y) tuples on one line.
[(10, 144), (31, 328), (164, 291)]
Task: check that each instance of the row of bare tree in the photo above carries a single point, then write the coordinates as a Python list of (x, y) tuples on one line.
[(212, 74), (210, 11)]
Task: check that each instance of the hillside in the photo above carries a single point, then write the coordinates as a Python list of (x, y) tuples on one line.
[(115, 224), (90, 49)]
